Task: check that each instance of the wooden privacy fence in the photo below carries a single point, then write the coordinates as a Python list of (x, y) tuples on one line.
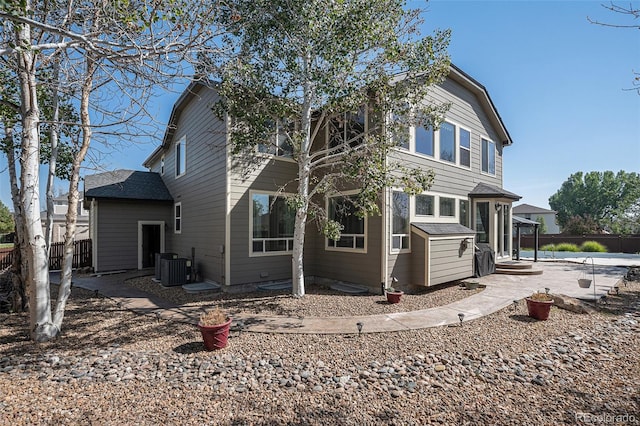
[(81, 255), (613, 242)]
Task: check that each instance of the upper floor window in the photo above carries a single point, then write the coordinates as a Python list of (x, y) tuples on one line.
[(424, 205), (278, 142), (488, 157), (347, 128), (272, 224), (465, 148), (399, 221), (448, 142), (177, 218), (400, 133), (425, 140), (181, 156), (352, 236)]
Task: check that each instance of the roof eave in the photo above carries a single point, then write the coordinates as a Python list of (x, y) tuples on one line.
[(483, 95)]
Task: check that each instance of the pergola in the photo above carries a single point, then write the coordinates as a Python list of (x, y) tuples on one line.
[(521, 222)]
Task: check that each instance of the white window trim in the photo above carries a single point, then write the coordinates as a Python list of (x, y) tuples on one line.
[(391, 234), (266, 253), (182, 140), (436, 146), (274, 156), (459, 146), (495, 156), (437, 218), (425, 216), (176, 217), (327, 247), (328, 126)]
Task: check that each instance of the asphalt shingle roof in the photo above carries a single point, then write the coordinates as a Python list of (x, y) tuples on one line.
[(528, 208), (443, 228), (126, 184), (485, 190)]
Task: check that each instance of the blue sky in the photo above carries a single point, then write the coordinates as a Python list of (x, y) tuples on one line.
[(557, 80)]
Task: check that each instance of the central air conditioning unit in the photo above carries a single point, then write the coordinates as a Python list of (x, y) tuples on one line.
[(174, 272), (159, 257)]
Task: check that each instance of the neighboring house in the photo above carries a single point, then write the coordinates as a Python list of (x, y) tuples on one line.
[(60, 208), (530, 212), (240, 231)]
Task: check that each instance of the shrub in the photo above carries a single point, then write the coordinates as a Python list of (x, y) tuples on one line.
[(567, 247), (548, 247), (593, 246), (214, 317)]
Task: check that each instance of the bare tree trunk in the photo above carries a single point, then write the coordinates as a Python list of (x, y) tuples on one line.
[(304, 173), (72, 211), (35, 250), (19, 299), (53, 159)]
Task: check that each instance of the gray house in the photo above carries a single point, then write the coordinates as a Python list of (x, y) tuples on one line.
[(535, 213), (195, 201)]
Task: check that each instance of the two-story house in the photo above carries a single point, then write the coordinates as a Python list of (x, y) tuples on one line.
[(59, 220), (194, 201)]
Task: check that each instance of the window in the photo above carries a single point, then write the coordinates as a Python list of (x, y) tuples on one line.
[(482, 221), (424, 140), (488, 157), (278, 142), (400, 133), (162, 165), (272, 224), (447, 207), (352, 236), (347, 128), (400, 221), (464, 212), (181, 156), (424, 205), (177, 218), (465, 148), (448, 142)]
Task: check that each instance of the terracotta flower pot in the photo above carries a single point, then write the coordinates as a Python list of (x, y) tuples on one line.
[(539, 309), (215, 336), (394, 296)]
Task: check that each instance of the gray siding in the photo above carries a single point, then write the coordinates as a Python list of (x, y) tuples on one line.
[(446, 263), (269, 176), (359, 268), (467, 112), (202, 189), (117, 239), (419, 261)]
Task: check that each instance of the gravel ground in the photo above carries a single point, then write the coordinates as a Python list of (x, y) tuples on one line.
[(113, 367), (319, 300)]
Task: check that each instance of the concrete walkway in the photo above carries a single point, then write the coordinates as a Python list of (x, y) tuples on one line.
[(500, 292)]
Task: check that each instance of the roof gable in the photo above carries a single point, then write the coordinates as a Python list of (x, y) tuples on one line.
[(484, 190)]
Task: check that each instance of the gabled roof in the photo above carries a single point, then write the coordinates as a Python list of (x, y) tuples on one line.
[(484, 190), (528, 208), (443, 228), (485, 100), (189, 93), (126, 184)]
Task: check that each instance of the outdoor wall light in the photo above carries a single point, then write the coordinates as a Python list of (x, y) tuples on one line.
[(546, 290), (461, 317), (498, 206), (359, 325)]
